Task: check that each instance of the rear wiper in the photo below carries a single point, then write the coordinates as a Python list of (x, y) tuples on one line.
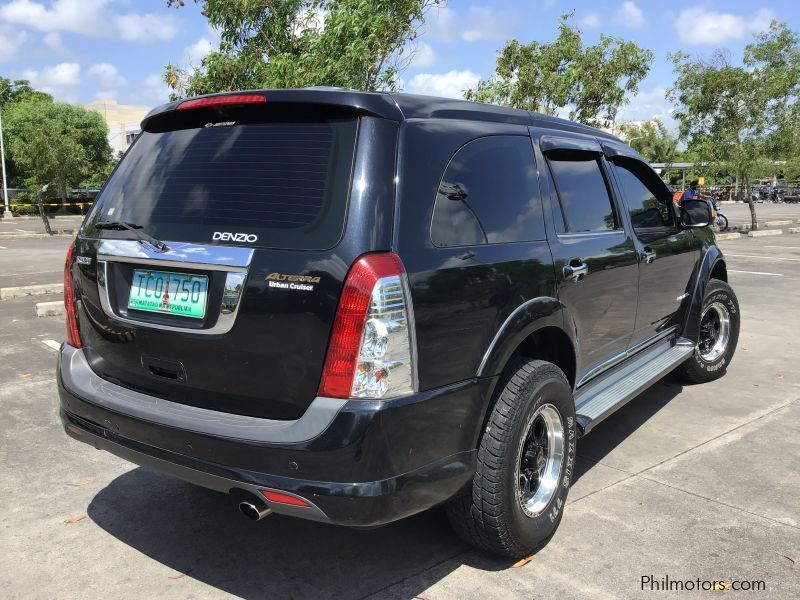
[(136, 229)]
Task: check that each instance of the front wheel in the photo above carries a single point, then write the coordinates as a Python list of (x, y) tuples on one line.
[(526, 461), (720, 223), (719, 333)]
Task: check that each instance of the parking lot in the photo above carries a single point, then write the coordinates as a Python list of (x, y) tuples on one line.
[(739, 214), (685, 482)]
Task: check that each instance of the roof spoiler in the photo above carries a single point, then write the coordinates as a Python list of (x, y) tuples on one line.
[(340, 100)]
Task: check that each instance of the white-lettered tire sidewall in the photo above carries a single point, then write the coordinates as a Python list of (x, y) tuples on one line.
[(719, 366), (532, 530)]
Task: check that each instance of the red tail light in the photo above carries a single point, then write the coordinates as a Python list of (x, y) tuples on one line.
[(222, 101), (73, 333), (351, 316), (284, 498)]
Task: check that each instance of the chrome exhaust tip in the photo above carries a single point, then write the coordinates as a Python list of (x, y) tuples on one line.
[(253, 511)]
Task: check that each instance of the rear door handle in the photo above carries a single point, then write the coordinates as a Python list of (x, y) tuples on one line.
[(576, 270), (648, 255)]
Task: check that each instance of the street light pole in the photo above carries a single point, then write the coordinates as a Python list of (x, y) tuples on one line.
[(6, 212)]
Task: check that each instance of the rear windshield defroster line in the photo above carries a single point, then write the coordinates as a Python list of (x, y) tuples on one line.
[(283, 185)]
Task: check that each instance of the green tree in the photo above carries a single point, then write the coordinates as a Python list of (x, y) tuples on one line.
[(296, 43), (17, 90), (744, 117), (56, 144), (651, 139), (592, 80)]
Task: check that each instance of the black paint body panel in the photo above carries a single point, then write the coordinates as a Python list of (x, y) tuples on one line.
[(473, 308)]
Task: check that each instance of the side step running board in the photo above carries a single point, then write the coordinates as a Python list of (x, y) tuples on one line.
[(599, 398)]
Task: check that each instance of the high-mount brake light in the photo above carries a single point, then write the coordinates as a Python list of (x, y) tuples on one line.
[(227, 100), (371, 349), (73, 333)]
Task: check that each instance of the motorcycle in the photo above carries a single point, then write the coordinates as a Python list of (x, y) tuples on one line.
[(719, 222)]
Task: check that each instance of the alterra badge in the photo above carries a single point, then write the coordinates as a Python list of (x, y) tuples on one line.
[(303, 283)]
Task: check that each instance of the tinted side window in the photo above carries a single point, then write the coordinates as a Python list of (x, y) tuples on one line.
[(489, 194), (582, 191), (649, 202)]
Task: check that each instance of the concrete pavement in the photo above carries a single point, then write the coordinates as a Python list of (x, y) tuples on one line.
[(686, 480)]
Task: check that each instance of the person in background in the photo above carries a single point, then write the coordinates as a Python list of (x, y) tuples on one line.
[(691, 192)]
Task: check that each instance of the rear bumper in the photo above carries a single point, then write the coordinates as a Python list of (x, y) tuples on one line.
[(370, 464)]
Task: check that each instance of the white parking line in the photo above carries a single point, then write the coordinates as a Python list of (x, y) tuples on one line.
[(34, 272), (52, 344), (755, 273), (784, 247), (3, 248), (764, 257)]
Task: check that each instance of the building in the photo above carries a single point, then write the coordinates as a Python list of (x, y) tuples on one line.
[(123, 121)]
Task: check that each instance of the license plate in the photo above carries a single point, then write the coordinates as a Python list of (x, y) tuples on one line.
[(171, 293)]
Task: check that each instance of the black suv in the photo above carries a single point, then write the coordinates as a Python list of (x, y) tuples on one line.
[(351, 307)]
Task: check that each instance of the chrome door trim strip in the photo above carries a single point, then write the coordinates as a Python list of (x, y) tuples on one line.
[(604, 366), (625, 354)]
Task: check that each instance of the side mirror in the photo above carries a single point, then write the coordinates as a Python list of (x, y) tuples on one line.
[(695, 213)]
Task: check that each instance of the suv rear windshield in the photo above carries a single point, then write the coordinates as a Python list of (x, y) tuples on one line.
[(286, 183)]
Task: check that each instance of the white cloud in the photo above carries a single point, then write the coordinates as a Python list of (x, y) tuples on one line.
[(646, 105), (311, 19), (629, 15), (590, 20), (88, 17), (59, 80), (154, 90), (107, 75), (422, 56), (700, 26), (479, 23), (53, 41), (145, 28), (193, 55), (79, 16), (12, 40), (451, 84)]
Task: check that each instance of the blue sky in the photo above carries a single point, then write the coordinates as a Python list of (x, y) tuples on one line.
[(79, 50)]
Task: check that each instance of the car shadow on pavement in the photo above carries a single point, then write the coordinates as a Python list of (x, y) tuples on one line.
[(614, 430), (200, 534)]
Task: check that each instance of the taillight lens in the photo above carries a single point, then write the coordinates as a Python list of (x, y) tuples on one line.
[(73, 333), (222, 101), (370, 353)]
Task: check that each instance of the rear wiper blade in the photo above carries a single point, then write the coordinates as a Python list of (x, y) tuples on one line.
[(137, 231)]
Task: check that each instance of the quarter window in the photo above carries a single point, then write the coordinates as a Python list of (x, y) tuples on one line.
[(489, 194), (583, 193)]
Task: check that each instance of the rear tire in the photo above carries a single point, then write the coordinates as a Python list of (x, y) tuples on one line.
[(719, 322), (526, 461)]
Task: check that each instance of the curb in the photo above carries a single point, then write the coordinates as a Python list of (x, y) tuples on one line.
[(728, 236), (778, 223), (50, 309), (31, 290), (765, 232), (793, 230), (32, 234)]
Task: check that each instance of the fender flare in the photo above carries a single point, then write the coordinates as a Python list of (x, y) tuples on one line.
[(526, 319), (691, 325)]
